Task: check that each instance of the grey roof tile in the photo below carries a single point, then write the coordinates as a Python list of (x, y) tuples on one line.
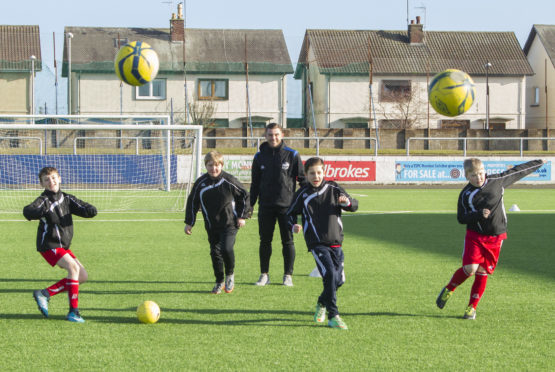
[(17, 45), (207, 50), (348, 52), (546, 34)]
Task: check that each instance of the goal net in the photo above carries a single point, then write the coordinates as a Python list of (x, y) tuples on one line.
[(123, 163)]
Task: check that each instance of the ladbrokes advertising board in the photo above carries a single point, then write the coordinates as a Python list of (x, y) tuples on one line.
[(335, 170)]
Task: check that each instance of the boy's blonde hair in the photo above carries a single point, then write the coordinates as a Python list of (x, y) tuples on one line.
[(472, 165), (215, 157)]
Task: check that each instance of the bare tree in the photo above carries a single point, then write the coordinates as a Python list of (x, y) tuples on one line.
[(202, 112), (402, 108)]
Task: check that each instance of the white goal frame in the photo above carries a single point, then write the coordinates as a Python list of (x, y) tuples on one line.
[(163, 118)]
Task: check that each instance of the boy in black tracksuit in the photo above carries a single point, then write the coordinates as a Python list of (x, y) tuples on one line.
[(320, 202), (480, 208), (276, 169), (225, 206), (54, 209)]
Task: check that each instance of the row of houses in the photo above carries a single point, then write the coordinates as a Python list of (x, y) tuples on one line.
[(350, 78)]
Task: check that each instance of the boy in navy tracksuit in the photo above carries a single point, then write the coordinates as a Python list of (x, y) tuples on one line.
[(480, 208), (54, 209), (225, 206), (321, 202)]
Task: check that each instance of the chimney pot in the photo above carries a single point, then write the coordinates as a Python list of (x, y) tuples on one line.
[(180, 11), (177, 25), (417, 20), (416, 33)]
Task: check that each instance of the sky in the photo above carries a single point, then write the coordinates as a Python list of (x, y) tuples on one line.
[(293, 17)]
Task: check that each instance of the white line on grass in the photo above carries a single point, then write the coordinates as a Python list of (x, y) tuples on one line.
[(134, 220), (356, 214), (122, 220)]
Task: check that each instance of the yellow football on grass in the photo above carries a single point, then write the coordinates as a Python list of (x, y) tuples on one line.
[(148, 312)]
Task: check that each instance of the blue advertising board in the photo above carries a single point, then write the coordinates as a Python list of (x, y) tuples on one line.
[(452, 171), (89, 169)]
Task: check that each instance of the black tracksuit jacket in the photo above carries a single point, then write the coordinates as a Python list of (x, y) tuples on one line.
[(274, 174), (55, 210), (321, 213), (473, 200), (223, 200)]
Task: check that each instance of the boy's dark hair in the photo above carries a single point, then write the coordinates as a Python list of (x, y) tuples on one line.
[(273, 126), (312, 162), (46, 171)]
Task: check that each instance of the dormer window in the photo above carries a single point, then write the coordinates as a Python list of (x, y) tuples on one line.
[(395, 90), (118, 43)]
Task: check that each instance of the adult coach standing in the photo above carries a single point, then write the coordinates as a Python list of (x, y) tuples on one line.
[(276, 169)]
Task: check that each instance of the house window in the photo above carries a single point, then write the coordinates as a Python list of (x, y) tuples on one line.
[(395, 90), (391, 124), (218, 123), (497, 126), (212, 89), (255, 124), (449, 124), (80, 143), (360, 124), (118, 43), (14, 143), (145, 140), (535, 96), (155, 89)]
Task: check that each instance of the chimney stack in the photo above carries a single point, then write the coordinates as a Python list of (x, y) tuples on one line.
[(177, 25), (416, 32)]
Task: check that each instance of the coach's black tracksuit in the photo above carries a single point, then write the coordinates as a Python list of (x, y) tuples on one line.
[(323, 233), (275, 172), (222, 200), (472, 200), (55, 210)]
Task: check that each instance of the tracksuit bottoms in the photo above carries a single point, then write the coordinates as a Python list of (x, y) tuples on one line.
[(221, 251), (330, 265), (267, 217)]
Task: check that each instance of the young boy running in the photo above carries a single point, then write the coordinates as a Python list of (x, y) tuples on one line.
[(481, 208), (54, 208), (320, 202), (225, 206)]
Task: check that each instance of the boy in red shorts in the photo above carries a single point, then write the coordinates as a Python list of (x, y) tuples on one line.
[(481, 208), (54, 209)]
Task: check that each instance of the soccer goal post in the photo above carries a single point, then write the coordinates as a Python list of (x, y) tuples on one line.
[(123, 163)]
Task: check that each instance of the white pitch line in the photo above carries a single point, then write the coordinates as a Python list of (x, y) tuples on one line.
[(133, 220), (347, 214), (122, 220)]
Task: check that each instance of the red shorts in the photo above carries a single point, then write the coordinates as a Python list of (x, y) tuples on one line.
[(52, 256), (482, 249)]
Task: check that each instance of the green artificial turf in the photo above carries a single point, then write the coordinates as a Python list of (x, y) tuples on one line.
[(401, 248)]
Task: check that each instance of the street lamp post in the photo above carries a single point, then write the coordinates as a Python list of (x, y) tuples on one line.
[(33, 59), (69, 37), (488, 65)]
